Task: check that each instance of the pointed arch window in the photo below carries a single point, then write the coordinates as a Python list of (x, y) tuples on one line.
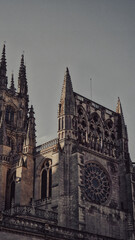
[(44, 184), (59, 124), (12, 189), (10, 143), (9, 117), (46, 180)]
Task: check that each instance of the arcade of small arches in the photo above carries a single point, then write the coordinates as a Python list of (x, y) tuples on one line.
[(91, 131)]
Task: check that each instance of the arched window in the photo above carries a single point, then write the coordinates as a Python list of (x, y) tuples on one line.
[(9, 117), (44, 184), (50, 182), (46, 180), (62, 122), (10, 143), (12, 189), (59, 124)]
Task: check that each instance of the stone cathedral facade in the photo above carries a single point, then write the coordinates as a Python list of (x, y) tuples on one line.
[(80, 185)]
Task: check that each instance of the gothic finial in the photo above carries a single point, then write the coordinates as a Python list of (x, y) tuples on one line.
[(30, 136), (120, 111), (67, 70), (67, 73), (31, 112), (12, 87), (67, 95), (3, 60), (21, 64), (67, 89), (118, 106), (3, 69), (22, 81)]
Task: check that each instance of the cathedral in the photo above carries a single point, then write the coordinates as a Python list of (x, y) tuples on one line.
[(80, 185)]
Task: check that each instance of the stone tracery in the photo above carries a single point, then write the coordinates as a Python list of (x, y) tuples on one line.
[(95, 135), (97, 185), (82, 126), (109, 138), (91, 132)]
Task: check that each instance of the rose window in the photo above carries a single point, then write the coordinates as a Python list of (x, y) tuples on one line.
[(97, 184)]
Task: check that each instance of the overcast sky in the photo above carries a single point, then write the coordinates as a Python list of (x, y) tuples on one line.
[(94, 38)]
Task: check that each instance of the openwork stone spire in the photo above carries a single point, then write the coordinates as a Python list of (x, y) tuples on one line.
[(22, 80), (12, 86), (3, 69), (3, 61)]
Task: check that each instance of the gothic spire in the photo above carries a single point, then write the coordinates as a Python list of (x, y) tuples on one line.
[(22, 80), (31, 112), (3, 60), (67, 95), (67, 89), (12, 86), (120, 111), (119, 107), (3, 69)]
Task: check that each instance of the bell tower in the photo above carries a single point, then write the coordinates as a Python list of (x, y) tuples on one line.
[(17, 138)]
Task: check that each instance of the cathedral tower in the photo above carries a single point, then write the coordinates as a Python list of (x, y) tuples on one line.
[(95, 166), (80, 185), (17, 138)]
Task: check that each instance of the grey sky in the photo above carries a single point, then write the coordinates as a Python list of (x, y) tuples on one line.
[(94, 38)]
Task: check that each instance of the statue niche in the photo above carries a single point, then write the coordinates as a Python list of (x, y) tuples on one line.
[(82, 126), (95, 135)]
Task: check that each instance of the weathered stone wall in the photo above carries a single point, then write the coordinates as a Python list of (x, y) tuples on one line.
[(14, 236), (3, 181)]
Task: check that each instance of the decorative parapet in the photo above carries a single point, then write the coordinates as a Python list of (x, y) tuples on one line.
[(4, 158), (42, 202), (46, 230), (47, 145), (93, 104), (31, 211)]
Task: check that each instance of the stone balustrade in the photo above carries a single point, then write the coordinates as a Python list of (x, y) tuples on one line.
[(47, 145)]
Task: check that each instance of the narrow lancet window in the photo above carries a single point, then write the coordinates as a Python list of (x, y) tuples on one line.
[(12, 190), (50, 182), (46, 180), (44, 184), (9, 117)]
